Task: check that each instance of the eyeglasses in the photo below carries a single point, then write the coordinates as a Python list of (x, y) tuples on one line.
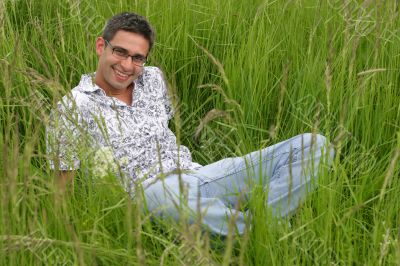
[(123, 54)]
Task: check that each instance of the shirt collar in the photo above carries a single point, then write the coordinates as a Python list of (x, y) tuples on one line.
[(87, 85)]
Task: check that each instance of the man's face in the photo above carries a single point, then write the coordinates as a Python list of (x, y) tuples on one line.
[(115, 73)]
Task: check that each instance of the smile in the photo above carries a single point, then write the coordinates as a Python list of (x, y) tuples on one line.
[(121, 75)]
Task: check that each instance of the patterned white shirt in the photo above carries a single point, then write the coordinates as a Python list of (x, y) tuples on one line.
[(139, 134)]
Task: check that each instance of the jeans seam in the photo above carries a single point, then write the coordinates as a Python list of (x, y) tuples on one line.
[(295, 153), (235, 172)]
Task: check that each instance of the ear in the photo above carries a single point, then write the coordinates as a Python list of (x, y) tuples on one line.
[(100, 45)]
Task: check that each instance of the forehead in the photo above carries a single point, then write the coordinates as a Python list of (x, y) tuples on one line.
[(133, 42)]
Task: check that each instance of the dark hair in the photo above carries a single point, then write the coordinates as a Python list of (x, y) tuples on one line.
[(129, 22)]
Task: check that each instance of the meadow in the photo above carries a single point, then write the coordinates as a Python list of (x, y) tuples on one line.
[(245, 75)]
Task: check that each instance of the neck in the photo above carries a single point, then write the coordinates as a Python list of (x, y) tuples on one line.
[(124, 95)]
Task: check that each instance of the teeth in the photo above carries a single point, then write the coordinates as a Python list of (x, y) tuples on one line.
[(121, 74)]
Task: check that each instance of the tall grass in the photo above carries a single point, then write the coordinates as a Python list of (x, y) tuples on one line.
[(247, 74)]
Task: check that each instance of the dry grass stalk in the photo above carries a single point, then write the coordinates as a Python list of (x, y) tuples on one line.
[(2, 11), (211, 115), (371, 71), (384, 246), (283, 86), (138, 225), (214, 60), (390, 172), (218, 89), (329, 78)]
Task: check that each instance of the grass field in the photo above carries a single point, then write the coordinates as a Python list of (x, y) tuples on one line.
[(247, 74)]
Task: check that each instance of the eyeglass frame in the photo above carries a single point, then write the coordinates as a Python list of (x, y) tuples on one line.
[(126, 56)]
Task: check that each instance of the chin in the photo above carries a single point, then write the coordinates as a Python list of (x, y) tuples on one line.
[(118, 85), (121, 87)]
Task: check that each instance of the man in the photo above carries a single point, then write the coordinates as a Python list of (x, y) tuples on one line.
[(124, 107)]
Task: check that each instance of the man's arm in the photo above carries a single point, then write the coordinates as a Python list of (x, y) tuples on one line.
[(167, 96), (62, 142)]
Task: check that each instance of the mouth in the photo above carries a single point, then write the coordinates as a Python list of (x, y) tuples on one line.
[(121, 76)]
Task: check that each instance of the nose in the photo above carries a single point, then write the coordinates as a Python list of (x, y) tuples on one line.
[(127, 64)]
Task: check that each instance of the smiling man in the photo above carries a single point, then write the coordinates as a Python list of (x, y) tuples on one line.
[(121, 64), (124, 107)]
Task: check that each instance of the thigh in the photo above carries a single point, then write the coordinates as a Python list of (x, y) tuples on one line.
[(231, 177), (267, 159)]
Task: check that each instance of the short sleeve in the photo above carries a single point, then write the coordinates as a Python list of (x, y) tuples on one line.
[(63, 136)]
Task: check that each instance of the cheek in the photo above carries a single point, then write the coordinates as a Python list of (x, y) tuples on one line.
[(139, 70), (102, 62), (107, 60)]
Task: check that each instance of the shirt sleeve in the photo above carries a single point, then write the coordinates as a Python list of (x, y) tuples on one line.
[(63, 136), (167, 96)]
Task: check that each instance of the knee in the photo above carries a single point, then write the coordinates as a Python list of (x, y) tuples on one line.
[(318, 143), (312, 140)]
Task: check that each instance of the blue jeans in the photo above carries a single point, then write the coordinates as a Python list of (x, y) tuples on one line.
[(287, 171)]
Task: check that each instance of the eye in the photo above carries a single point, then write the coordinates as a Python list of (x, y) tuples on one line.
[(120, 52), (138, 58)]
